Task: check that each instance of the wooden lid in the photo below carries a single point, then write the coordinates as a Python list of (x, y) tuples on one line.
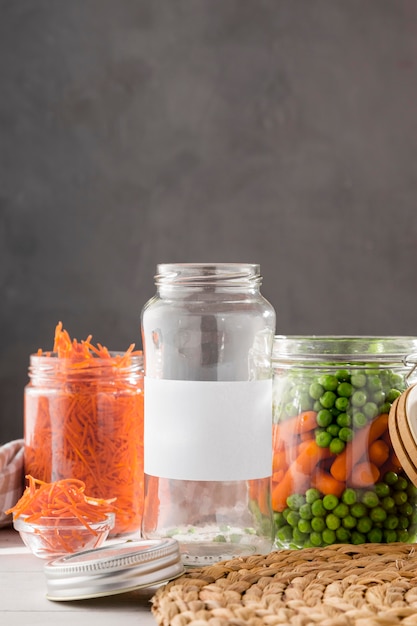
[(402, 425)]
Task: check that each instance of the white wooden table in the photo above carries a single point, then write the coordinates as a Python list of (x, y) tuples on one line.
[(23, 599)]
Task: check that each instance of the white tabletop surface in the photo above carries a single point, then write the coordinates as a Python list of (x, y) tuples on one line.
[(23, 599)]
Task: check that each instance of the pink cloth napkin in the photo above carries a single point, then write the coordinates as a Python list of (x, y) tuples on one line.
[(11, 477)]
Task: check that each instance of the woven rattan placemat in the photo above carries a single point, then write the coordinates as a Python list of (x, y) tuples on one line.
[(341, 585)]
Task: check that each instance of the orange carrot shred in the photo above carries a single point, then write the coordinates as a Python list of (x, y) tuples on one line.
[(91, 428)]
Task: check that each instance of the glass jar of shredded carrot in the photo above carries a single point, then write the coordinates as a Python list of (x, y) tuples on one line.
[(83, 419), (336, 477)]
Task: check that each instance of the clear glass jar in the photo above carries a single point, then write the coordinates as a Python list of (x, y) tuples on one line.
[(336, 478), (86, 422), (207, 338)]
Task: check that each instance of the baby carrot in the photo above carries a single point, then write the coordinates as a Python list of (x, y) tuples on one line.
[(301, 423), (324, 482), (355, 449), (364, 474), (292, 482), (278, 476), (297, 478), (378, 452)]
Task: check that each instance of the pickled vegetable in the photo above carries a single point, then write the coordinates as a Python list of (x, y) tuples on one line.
[(336, 478)]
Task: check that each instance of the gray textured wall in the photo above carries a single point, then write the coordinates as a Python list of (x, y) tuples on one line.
[(134, 132)]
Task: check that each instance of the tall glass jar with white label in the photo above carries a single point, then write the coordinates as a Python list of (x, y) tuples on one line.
[(207, 339)]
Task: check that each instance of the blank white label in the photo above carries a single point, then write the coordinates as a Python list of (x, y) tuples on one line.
[(208, 430)]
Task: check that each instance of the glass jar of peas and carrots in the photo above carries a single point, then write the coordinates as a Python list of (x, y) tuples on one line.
[(336, 478)]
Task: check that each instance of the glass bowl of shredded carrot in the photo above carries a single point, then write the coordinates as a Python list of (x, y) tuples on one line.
[(57, 518)]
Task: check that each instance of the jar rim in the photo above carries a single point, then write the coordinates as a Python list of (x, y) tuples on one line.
[(354, 348), (206, 274), (50, 363)]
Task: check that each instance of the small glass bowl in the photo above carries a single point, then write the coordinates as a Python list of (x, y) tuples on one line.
[(49, 537)]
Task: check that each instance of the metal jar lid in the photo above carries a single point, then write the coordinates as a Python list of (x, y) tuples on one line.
[(403, 431), (113, 569)]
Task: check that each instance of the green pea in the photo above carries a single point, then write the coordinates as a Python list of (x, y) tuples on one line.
[(358, 380), (357, 538), (284, 534), (375, 535), (305, 511), (343, 420), (304, 526), (279, 519), (343, 375), (341, 404), (389, 509), (374, 383), (370, 409), (316, 406), (378, 514), (323, 439), (403, 522), (332, 521), (391, 522), (379, 398), (346, 434), (343, 535), (400, 497), (324, 418), (391, 478), (328, 536), (345, 390), (349, 522), (403, 536), (358, 399), (330, 502), (401, 484), (341, 510), (390, 536), (318, 509), (359, 419), (396, 381), (316, 391), (318, 524), (337, 445), (294, 501), (382, 490), (328, 381), (370, 499), (327, 400), (293, 518), (315, 538), (334, 411), (311, 495), (364, 525), (384, 408), (333, 429), (349, 496), (358, 510), (304, 403), (392, 395), (406, 509), (412, 493)]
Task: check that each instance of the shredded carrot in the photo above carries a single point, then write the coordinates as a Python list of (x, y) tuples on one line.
[(62, 498), (90, 426), (48, 504)]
